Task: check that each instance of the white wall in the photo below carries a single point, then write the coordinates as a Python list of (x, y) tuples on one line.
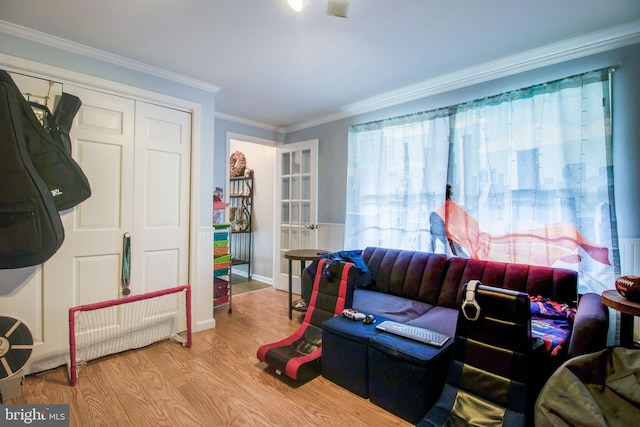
[(261, 157)]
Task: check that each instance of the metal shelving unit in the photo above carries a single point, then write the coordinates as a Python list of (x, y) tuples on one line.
[(241, 198)]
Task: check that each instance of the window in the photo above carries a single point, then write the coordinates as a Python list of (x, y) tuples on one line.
[(525, 176)]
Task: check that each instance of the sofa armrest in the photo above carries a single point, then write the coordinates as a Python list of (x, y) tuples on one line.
[(590, 327)]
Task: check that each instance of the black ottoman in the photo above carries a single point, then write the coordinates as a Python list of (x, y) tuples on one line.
[(406, 377), (345, 345)]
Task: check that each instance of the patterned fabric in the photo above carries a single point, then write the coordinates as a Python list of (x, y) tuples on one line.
[(542, 307), (543, 245), (551, 324)]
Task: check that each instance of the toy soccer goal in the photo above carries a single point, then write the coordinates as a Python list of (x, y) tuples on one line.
[(104, 328)]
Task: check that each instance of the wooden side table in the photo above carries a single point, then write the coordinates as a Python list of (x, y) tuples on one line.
[(301, 255), (628, 309)]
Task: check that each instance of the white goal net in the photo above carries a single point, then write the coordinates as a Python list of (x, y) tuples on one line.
[(104, 328)]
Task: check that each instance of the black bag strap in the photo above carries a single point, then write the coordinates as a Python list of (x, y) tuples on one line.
[(62, 119), (59, 122)]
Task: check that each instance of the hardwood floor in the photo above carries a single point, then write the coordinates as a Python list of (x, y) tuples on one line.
[(217, 382), (241, 285)]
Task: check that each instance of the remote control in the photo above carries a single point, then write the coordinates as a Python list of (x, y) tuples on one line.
[(352, 314)]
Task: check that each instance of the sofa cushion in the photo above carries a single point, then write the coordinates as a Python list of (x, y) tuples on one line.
[(439, 319), (590, 326), (390, 306), (409, 274)]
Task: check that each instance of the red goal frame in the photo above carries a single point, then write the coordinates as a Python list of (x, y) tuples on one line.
[(73, 375)]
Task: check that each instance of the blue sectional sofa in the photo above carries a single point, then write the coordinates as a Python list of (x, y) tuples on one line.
[(425, 289)]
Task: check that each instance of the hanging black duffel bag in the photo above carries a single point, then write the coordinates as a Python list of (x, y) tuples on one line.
[(30, 227), (50, 155)]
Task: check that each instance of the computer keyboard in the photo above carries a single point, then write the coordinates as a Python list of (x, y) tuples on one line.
[(413, 332)]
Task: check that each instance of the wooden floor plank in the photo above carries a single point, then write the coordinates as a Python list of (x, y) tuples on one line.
[(217, 382)]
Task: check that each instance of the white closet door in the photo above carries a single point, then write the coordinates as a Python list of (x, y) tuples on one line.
[(137, 159), (139, 174), (160, 237), (103, 139)]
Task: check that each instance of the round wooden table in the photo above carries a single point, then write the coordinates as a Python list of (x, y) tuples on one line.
[(301, 255), (628, 309)]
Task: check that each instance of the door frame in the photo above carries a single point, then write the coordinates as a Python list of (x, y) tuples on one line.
[(266, 143)]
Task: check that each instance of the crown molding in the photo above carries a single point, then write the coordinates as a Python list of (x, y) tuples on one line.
[(80, 49), (578, 47), (248, 122), (66, 76), (589, 44)]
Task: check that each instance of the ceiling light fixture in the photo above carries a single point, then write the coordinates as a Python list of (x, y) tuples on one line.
[(295, 5), (338, 8)]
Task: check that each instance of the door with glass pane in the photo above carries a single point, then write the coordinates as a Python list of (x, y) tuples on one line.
[(297, 208)]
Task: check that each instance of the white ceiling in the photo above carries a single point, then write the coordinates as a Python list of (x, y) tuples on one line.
[(281, 68)]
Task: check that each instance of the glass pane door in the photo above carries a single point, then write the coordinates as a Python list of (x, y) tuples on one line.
[(297, 207)]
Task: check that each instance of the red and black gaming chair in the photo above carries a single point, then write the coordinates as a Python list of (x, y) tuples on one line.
[(487, 383), (298, 356)]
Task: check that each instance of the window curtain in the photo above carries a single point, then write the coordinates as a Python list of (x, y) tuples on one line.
[(525, 176), (397, 170)]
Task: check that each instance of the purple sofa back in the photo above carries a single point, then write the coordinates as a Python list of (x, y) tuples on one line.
[(409, 274), (560, 285), (434, 279)]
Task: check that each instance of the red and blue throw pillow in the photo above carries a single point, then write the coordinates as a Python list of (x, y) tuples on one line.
[(551, 324)]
